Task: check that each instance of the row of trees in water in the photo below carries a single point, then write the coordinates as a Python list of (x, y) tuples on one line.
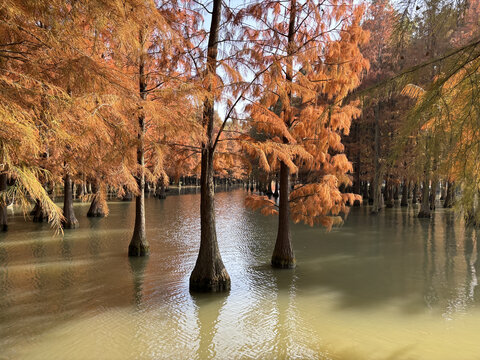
[(114, 96)]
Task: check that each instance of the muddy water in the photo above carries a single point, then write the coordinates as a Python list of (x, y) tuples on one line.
[(385, 287)]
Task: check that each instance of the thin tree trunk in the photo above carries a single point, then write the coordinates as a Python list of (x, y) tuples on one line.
[(162, 194), (70, 221), (139, 244), (404, 201), (283, 256), (414, 193), (3, 207), (209, 273), (377, 193)]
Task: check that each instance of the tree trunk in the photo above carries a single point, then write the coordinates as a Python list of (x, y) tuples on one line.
[(3, 207), (414, 193), (404, 201), (139, 245), (283, 256), (162, 194), (425, 208), (450, 197), (443, 191), (396, 192), (377, 193), (209, 273), (70, 221), (38, 213), (389, 198), (433, 194), (97, 207)]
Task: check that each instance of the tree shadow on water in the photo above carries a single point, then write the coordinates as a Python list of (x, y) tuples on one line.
[(208, 308)]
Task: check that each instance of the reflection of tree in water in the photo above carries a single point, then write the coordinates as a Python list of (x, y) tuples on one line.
[(208, 308), (5, 300), (450, 250), (430, 294), (67, 275), (286, 292), (137, 267), (470, 260)]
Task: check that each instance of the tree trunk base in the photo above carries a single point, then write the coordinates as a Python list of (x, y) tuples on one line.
[(356, 203), (424, 214), (403, 204), (162, 196), (95, 210), (279, 262), (4, 227), (217, 283), (70, 224), (138, 249)]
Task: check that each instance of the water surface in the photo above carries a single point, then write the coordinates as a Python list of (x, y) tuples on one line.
[(380, 287)]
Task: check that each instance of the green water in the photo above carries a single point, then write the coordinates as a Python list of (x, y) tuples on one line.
[(385, 287)]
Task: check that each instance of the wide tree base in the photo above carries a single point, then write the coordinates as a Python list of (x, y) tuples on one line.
[(217, 283), (283, 263), (138, 249), (424, 214), (4, 227), (70, 224), (162, 196)]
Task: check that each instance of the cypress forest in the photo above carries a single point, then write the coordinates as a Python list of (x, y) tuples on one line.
[(279, 179)]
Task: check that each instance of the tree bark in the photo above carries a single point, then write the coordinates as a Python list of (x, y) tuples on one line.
[(209, 273), (139, 245), (3, 206), (404, 201), (162, 194), (377, 193), (414, 193), (97, 206), (450, 197), (283, 256), (70, 221), (425, 208)]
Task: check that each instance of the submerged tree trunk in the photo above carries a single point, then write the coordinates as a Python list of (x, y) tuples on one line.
[(433, 194), (450, 197), (70, 221), (162, 194), (38, 213), (283, 256), (414, 193), (139, 245), (404, 201), (425, 208), (3, 207), (377, 193), (209, 273), (389, 195), (97, 207)]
